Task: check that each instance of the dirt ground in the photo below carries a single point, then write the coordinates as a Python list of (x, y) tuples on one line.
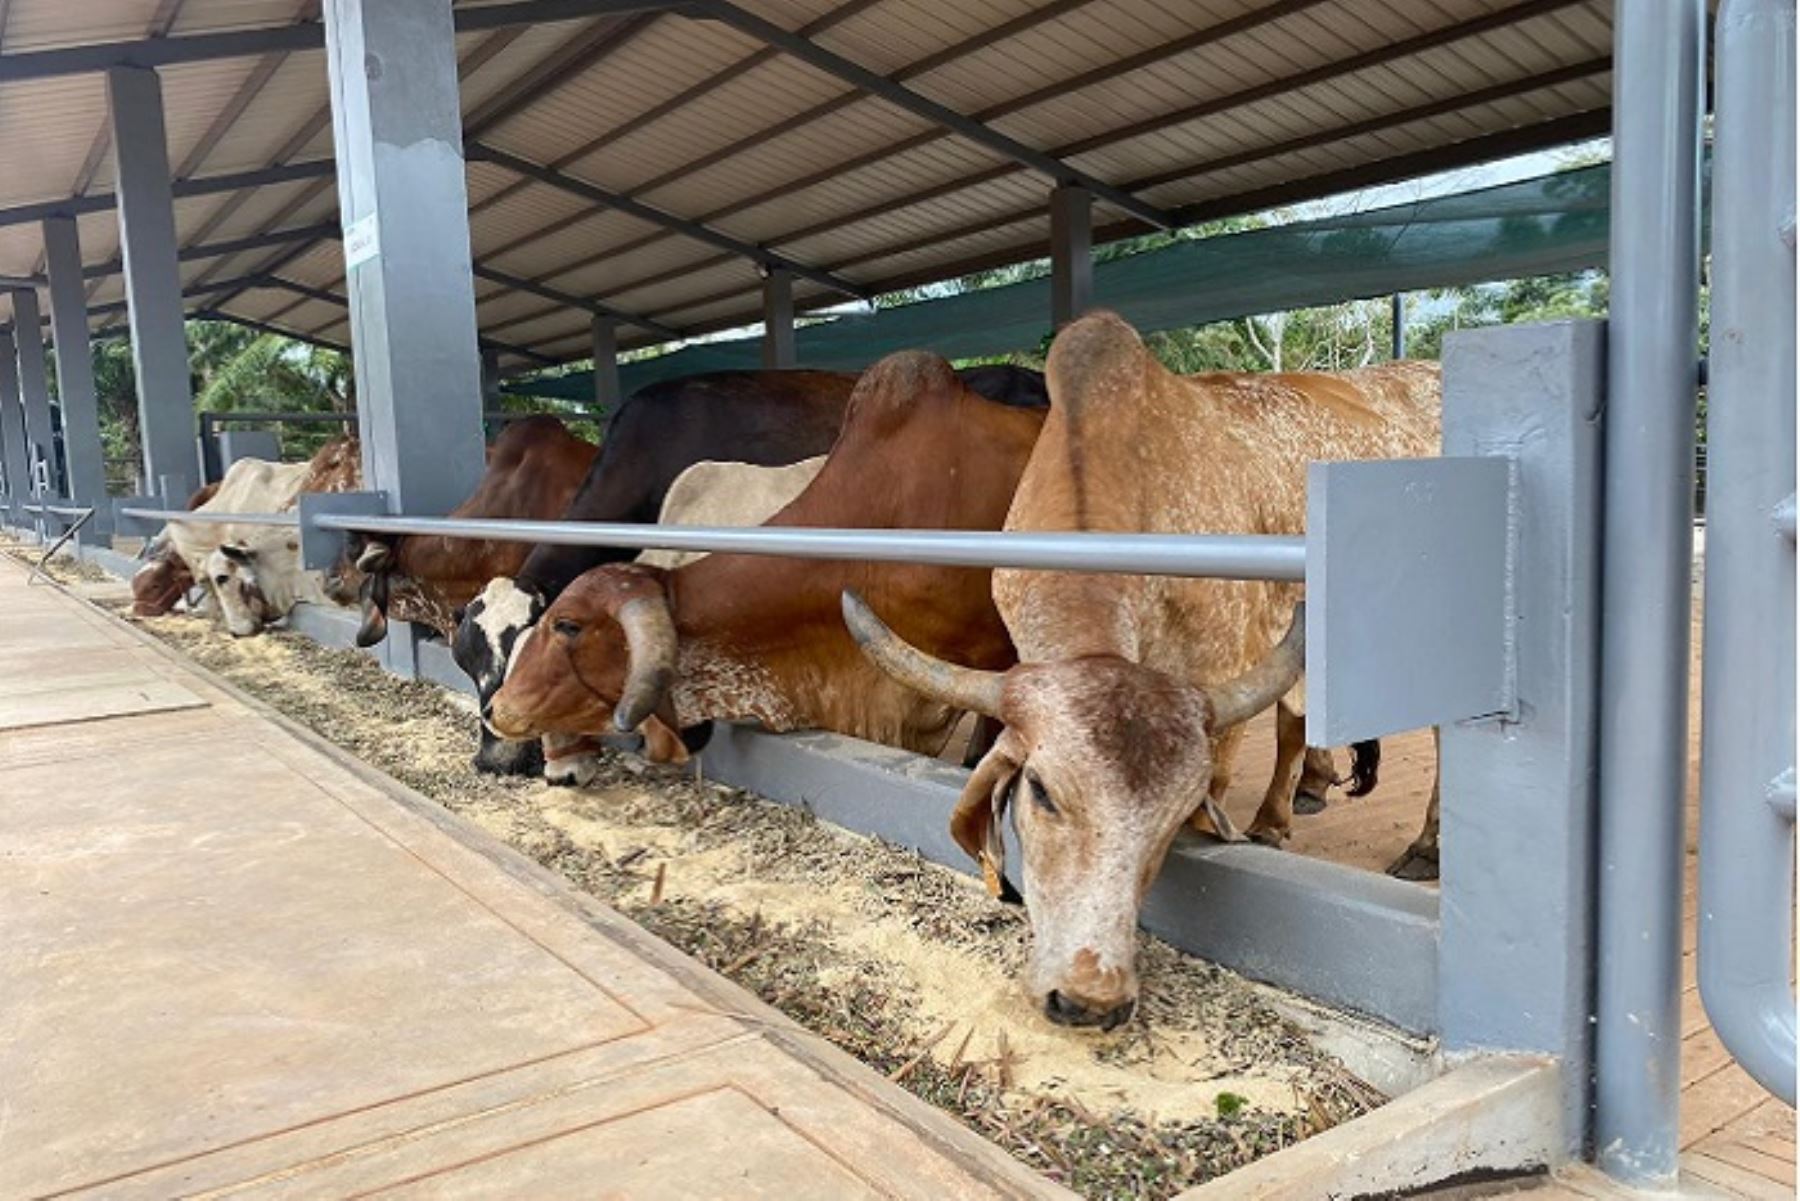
[(906, 965)]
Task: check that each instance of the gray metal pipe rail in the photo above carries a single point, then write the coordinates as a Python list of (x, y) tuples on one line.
[(290, 520), (1646, 572), (1232, 556), (1746, 904)]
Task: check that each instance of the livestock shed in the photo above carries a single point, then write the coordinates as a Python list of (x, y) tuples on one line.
[(462, 192)]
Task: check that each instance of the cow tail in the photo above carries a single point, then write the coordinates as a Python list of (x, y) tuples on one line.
[(1365, 766)]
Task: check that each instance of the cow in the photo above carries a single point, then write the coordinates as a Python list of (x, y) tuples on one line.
[(533, 470), (753, 637), (164, 581), (1131, 688), (768, 418), (253, 571), (727, 494)]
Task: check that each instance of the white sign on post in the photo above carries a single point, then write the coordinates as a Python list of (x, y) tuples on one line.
[(362, 242)]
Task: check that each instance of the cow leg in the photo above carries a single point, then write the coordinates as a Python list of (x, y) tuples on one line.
[(572, 761), (1275, 818), (1420, 860), (1318, 772), (1210, 818)]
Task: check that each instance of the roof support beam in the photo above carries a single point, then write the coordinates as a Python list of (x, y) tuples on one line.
[(99, 202), (643, 212), (778, 349), (507, 280), (281, 39), (75, 371), (211, 250), (903, 97), (605, 336), (263, 327), (1071, 254), (153, 283)]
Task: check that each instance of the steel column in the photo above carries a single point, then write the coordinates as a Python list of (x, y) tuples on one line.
[(397, 129), (75, 373), (1647, 566), (606, 364), (778, 319), (490, 377), (153, 281), (1516, 952), (1071, 253), (34, 390), (12, 430), (1747, 756), (1398, 312)]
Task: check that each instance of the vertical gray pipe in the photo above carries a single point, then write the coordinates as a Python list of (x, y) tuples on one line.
[(1646, 571), (1746, 840), (1399, 335)]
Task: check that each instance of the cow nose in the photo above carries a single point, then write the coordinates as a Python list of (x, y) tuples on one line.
[(1065, 1010)]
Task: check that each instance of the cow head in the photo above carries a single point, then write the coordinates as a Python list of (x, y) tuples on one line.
[(602, 658), (1101, 762), (161, 583), (233, 573), (486, 634)]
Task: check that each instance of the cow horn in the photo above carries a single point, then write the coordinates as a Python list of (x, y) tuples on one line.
[(650, 637), (1241, 699), (965, 687)]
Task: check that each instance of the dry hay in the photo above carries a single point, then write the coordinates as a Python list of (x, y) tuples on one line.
[(904, 964)]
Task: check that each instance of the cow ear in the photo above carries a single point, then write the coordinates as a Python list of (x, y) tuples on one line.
[(978, 824), (237, 554)]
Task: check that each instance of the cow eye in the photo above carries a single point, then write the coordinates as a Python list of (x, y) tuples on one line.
[(567, 628), (1040, 796), (221, 580)]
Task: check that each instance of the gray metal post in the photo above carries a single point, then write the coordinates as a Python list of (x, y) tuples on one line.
[(490, 378), (12, 430), (1515, 951), (152, 280), (778, 319), (397, 129), (606, 363), (1645, 588), (1398, 311), (75, 373), (1071, 253), (34, 389), (1747, 756)]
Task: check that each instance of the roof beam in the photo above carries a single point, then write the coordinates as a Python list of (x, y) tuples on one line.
[(263, 327), (209, 250), (567, 300), (282, 39), (327, 296), (75, 206), (904, 97), (599, 41), (643, 212)]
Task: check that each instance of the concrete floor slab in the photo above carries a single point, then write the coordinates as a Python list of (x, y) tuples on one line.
[(240, 963)]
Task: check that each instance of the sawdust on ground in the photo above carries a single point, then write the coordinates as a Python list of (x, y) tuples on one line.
[(903, 963)]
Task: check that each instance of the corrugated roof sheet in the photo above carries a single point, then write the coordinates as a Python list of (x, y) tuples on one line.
[(1199, 107)]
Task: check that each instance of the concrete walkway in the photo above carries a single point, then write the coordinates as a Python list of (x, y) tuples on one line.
[(238, 963)]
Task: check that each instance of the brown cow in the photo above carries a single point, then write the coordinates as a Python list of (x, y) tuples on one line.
[(164, 579), (739, 636), (533, 470), (1131, 687)]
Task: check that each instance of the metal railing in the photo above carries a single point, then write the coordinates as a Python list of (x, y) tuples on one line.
[(290, 520), (1746, 903)]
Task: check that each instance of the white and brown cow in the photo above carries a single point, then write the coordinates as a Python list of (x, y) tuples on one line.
[(1131, 691), (727, 494)]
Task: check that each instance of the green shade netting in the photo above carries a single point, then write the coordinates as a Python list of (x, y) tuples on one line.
[(1541, 226)]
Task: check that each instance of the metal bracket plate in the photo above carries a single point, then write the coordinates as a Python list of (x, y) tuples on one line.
[(1407, 588), (320, 549)]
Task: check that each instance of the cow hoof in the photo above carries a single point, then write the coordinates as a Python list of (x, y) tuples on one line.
[(1308, 803), (1415, 864), (1268, 836), (575, 771)]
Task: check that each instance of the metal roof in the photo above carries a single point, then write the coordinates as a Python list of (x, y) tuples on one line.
[(650, 164)]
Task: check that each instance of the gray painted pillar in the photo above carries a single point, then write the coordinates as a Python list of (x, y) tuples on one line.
[(1071, 253), (75, 372), (1398, 309), (606, 364), (12, 430), (34, 389), (490, 378), (397, 126), (778, 319), (1646, 579), (1516, 902), (153, 282)]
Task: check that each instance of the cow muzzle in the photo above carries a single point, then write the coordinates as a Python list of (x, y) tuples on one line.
[(1065, 1009), (497, 756)]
